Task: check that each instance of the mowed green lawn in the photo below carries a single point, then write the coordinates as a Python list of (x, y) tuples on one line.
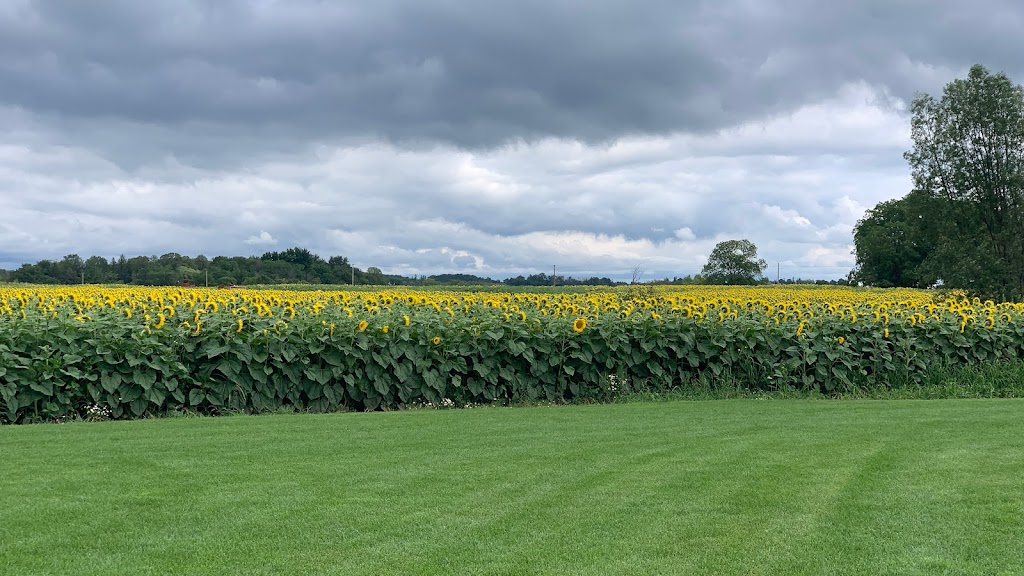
[(713, 487)]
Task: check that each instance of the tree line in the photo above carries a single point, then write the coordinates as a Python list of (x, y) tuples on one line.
[(292, 266), (732, 262), (962, 224)]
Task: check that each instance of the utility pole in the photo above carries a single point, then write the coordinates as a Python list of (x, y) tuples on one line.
[(554, 274), (778, 269), (207, 272), (353, 269), (83, 277)]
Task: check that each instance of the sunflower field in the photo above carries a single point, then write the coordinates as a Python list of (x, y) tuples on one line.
[(137, 351)]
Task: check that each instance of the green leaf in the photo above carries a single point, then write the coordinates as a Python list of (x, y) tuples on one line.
[(130, 393), (145, 378), (110, 381), (230, 367), (133, 358), (319, 374), (333, 356), (44, 387), (138, 406), (214, 351), (196, 397)]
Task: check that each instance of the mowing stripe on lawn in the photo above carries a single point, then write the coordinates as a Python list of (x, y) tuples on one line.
[(716, 487)]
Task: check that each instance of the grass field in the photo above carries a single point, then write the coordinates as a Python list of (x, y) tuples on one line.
[(716, 487)]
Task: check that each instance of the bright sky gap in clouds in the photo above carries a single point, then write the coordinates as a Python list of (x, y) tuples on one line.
[(434, 136)]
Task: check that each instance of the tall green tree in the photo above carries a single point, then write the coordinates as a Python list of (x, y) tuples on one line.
[(894, 240), (968, 150), (733, 262)]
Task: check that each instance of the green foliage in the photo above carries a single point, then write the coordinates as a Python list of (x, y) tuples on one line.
[(53, 369), (294, 266), (968, 158), (894, 240), (733, 262)]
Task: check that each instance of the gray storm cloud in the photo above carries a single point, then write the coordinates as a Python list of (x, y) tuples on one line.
[(429, 136), (478, 73)]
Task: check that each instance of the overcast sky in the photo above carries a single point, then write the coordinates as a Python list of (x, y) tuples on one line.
[(432, 136)]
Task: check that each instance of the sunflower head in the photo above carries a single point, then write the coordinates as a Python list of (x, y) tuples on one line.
[(385, 329), (405, 320), (363, 324), (579, 325), (436, 340)]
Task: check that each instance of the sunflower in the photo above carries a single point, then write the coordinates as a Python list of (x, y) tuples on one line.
[(436, 340), (385, 329), (363, 324), (240, 324), (579, 325), (405, 319)]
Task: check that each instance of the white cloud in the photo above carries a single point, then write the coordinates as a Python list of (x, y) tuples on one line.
[(656, 202), (263, 239), (785, 217), (685, 234)]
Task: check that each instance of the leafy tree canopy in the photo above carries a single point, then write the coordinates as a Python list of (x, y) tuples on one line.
[(968, 155), (733, 262), (894, 241)]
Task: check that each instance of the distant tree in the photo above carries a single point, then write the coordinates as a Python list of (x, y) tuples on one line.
[(193, 274), (458, 279), (69, 269), (375, 276), (38, 273), (638, 273), (296, 255), (98, 271), (733, 262)]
